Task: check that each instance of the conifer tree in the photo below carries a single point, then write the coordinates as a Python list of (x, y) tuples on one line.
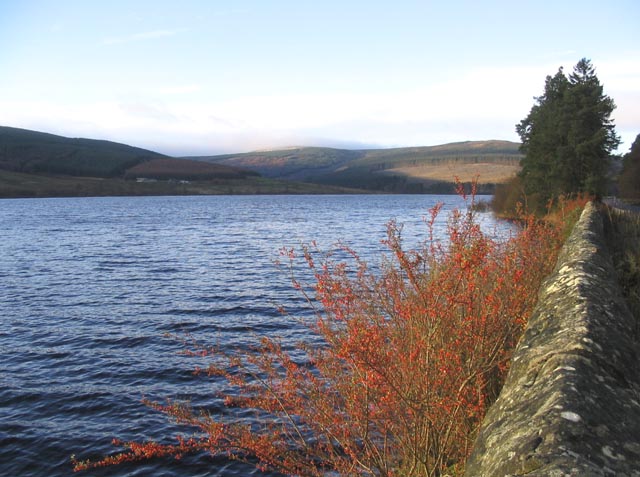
[(568, 136)]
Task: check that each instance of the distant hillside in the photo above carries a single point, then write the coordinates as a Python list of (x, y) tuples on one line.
[(297, 163), (34, 152), (40, 164), (184, 169), (35, 164), (413, 169)]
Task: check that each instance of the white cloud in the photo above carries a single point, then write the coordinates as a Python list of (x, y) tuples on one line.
[(483, 103), (178, 89), (147, 111), (444, 112), (485, 94)]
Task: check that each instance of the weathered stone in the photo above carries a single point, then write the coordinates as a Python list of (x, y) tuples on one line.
[(571, 403)]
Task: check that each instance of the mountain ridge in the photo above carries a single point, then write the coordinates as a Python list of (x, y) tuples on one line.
[(400, 169), (27, 151), (417, 169), (40, 164)]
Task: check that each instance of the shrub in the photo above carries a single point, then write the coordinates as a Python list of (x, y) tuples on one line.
[(412, 354)]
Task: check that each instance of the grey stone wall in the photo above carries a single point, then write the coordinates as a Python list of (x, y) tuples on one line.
[(571, 403)]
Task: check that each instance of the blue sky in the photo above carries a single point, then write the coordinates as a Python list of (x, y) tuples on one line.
[(204, 77)]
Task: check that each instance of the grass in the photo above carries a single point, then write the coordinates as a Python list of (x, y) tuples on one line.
[(622, 230), (486, 172)]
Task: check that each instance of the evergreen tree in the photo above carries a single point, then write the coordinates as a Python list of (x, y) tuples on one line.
[(542, 138), (568, 136), (630, 177)]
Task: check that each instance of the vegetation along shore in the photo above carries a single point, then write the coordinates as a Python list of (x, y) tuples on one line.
[(415, 352)]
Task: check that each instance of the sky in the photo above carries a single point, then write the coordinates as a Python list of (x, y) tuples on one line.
[(210, 77)]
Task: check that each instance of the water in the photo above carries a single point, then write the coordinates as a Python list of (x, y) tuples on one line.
[(90, 287)]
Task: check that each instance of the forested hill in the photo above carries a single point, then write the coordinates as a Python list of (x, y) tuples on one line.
[(22, 150), (409, 169), (36, 164)]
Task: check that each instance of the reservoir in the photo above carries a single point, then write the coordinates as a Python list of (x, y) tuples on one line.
[(93, 292)]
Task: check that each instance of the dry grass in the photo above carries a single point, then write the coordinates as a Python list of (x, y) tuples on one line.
[(486, 172)]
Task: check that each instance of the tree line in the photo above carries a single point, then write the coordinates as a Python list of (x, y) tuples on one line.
[(567, 140)]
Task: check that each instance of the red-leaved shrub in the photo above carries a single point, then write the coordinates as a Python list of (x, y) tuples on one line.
[(412, 353)]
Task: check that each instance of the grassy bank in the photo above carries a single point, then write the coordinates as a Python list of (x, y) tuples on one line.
[(622, 229)]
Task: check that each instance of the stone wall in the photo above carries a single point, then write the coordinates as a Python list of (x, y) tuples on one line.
[(571, 403)]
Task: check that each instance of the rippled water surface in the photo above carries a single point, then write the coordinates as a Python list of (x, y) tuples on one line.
[(90, 288)]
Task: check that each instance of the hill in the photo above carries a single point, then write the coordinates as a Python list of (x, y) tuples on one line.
[(409, 169), (184, 169), (26, 151), (296, 163), (36, 164)]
